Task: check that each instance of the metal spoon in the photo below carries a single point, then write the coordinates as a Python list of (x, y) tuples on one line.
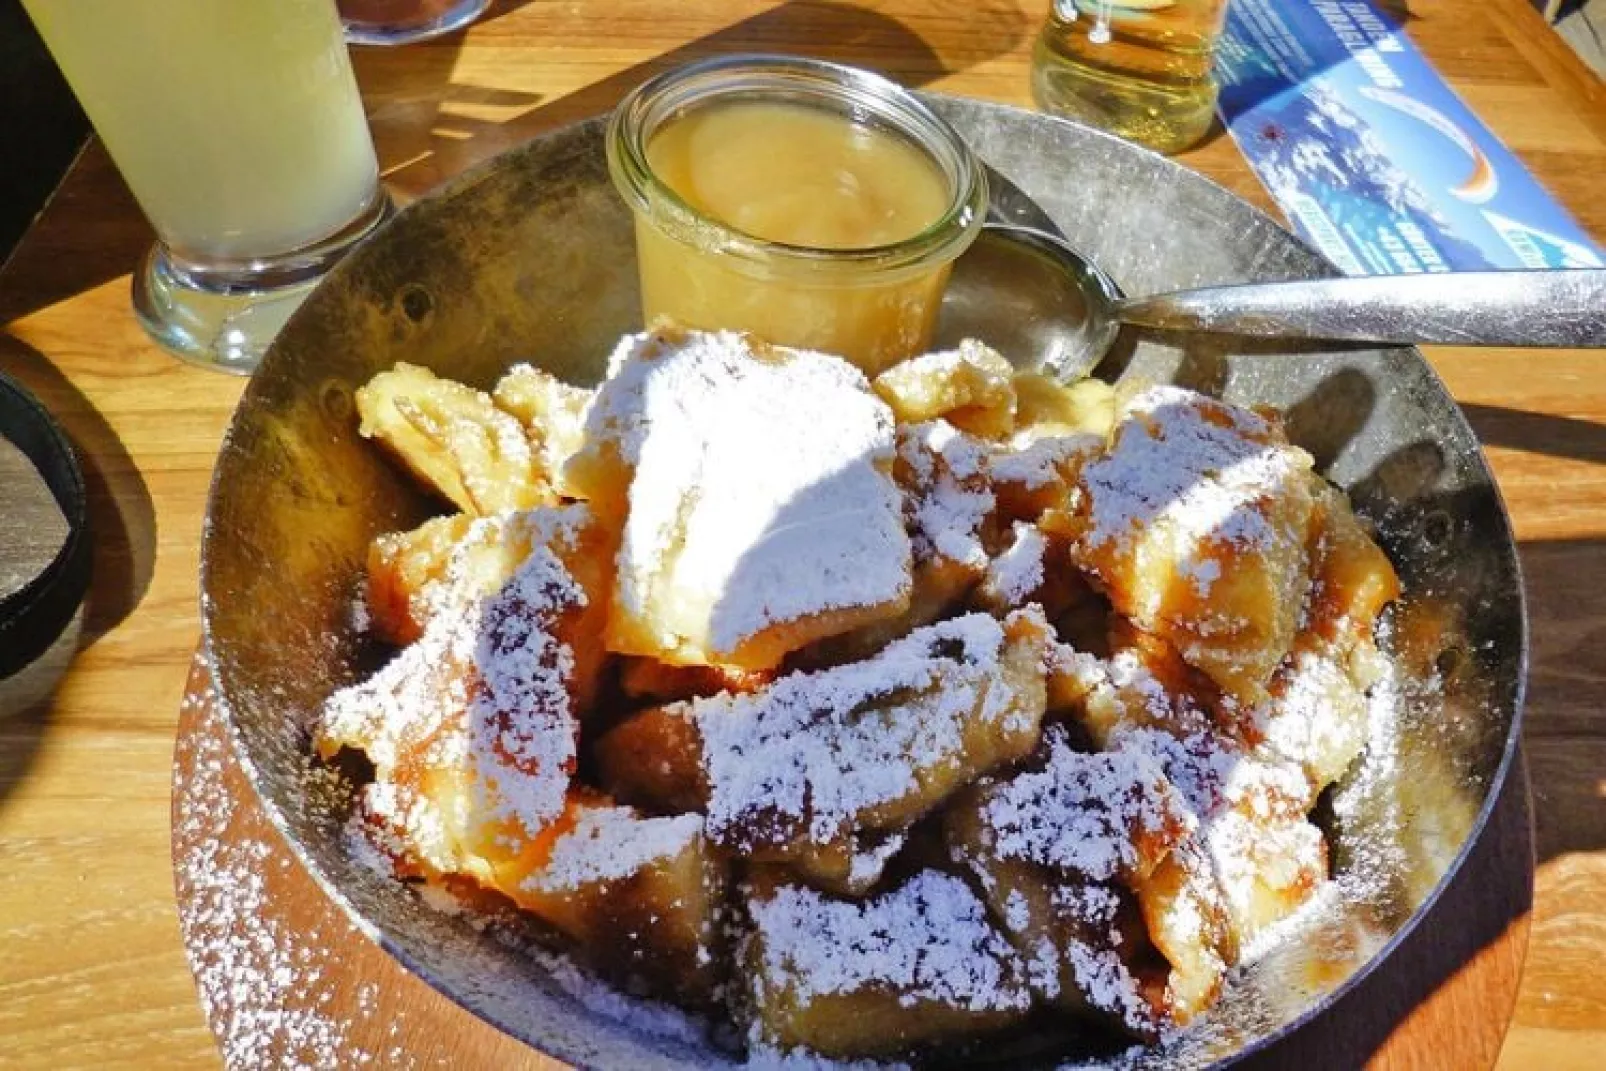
[(1056, 304)]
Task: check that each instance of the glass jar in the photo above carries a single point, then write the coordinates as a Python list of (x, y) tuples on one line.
[(874, 304)]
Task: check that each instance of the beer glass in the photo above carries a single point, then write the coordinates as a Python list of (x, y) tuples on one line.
[(1140, 69), (238, 127)]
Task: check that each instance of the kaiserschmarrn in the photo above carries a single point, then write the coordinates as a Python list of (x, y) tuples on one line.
[(864, 716)]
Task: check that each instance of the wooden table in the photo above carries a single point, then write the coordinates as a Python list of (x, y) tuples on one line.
[(91, 967)]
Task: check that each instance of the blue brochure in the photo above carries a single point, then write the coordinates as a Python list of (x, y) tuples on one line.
[(1375, 161)]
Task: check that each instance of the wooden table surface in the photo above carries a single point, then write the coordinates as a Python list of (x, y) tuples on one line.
[(92, 970)]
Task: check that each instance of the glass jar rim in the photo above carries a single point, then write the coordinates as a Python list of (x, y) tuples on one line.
[(856, 93)]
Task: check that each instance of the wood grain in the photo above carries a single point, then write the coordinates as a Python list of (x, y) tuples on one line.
[(92, 969)]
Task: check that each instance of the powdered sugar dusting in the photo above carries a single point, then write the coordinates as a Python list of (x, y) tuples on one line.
[(811, 752), (929, 940), (761, 491), (949, 498), (1102, 977), (1094, 816), (1316, 716), (272, 991), (870, 859), (645, 1016), (1185, 462), (484, 691), (1038, 463), (1021, 569), (612, 843)]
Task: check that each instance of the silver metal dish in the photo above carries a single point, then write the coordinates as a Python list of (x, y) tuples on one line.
[(530, 257)]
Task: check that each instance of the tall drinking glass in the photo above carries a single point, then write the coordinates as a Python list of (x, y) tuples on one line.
[(237, 125), (1141, 69)]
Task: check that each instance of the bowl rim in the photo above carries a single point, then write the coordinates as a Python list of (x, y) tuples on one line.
[(471, 177)]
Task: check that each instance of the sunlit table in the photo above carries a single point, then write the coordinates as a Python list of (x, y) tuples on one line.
[(92, 970)]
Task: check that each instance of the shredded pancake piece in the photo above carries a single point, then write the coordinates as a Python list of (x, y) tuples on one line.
[(1092, 816), (472, 729), (756, 494), (911, 966), (871, 745), (950, 500), (1196, 522)]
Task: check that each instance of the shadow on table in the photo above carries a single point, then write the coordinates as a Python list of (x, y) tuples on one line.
[(1539, 433), (1565, 728), (91, 232), (418, 148), (123, 531)]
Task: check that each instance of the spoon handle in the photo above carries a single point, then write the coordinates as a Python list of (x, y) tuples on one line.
[(1511, 308)]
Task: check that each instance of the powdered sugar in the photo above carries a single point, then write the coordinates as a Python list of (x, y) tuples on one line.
[(1195, 495), (1041, 462), (761, 491), (485, 691), (816, 750), (870, 859), (272, 991), (1108, 985), (1185, 462), (1316, 716), (612, 843), (1247, 813), (949, 498), (928, 940), (1020, 570), (1093, 816)]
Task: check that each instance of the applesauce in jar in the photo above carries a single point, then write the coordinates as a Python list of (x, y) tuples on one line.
[(813, 205)]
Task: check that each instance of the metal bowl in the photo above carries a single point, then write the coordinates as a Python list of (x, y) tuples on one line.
[(530, 257)]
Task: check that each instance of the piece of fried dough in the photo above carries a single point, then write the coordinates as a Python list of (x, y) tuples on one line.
[(454, 439), (755, 489), (404, 570), (817, 758), (553, 414), (913, 966), (643, 898), (472, 730), (971, 387), (1196, 523)]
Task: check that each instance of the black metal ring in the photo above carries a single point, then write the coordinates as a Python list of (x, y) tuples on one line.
[(33, 616)]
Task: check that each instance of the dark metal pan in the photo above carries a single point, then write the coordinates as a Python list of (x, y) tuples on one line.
[(530, 257)]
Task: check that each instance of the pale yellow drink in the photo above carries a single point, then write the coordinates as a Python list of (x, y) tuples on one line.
[(236, 123), (1140, 69)]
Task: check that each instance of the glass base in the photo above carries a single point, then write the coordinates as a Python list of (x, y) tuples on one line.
[(387, 26), (224, 318)]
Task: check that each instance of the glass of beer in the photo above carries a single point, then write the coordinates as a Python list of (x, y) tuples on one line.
[(401, 22), (814, 205), (239, 129), (1140, 69)]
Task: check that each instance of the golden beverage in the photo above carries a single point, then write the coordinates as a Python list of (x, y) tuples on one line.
[(1140, 69), (236, 123)]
